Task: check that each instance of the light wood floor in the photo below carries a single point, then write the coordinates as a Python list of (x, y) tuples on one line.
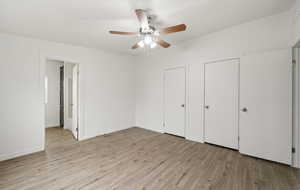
[(139, 159)]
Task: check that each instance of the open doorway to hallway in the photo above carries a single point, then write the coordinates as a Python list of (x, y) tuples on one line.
[(61, 100)]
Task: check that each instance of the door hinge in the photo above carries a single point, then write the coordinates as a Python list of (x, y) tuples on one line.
[(238, 138), (293, 150), (294, 61), (164, 124), (77, 129)]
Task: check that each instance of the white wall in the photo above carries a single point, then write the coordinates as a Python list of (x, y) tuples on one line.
[(296, 22), (256, 36), (53, 100), (106, 83)]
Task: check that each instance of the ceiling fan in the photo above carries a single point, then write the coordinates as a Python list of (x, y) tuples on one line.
[(149, 33)]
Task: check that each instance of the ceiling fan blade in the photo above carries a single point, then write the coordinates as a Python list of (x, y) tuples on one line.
[(135, 46), (163, 43), (142, 17), (173, 29), (123, 33)]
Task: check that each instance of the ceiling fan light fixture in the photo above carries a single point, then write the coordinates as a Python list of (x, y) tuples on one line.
[(148, 40), (141, 44), (153, 45), (156, 33)]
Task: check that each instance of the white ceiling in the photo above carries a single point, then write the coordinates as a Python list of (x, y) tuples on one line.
[(87, 22)]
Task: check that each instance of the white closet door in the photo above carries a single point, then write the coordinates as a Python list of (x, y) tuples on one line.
[(265, 118), (221, 103), (195, 129), (174, 101)]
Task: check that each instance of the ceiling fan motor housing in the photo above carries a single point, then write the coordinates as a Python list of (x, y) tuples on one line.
[(147, 31)]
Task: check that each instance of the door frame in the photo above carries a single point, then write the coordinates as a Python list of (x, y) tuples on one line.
[(62, 96), (77, 97), (42, 68), (296, 105), (185, 98), (238, 89), (68, 120)]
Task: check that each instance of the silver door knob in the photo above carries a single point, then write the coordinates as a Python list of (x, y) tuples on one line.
[(244, 110), (182, 105), (206, 107)]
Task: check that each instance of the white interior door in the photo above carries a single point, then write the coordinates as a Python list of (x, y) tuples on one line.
[(265, 118), (174, 101), (68, 95), (221, 103), (75, 102)]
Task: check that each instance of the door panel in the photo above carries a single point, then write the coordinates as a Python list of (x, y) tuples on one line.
[(75, 102), (265, 118), (174, 100), (221, 103), (195, 130)]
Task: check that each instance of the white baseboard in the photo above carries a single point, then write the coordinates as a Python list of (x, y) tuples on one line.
[(52, 125), (150, 129), (195, 139), (191, 138), (86, 137), (21, 153)]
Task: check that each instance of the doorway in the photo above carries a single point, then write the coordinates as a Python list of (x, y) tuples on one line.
[(61, 99)]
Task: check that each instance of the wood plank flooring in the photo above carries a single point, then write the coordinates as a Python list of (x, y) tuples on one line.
[(140, 159)]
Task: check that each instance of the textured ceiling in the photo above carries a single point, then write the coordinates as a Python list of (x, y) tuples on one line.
[(87, 22)]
